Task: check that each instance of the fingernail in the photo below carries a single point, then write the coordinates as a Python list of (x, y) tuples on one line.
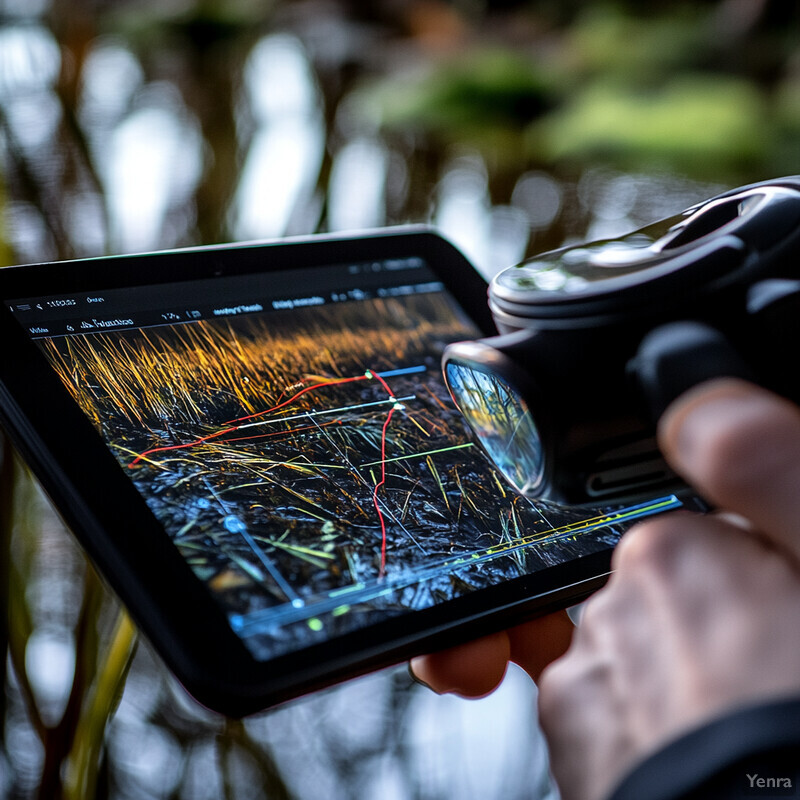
[(575, 613), (416, 679)]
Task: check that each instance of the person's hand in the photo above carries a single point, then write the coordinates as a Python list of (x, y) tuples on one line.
[(476, 668), (701, 613)]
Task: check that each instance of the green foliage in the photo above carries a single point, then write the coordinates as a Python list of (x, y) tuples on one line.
[(202, 25), (703, 125), (607, 42), (632, 87), (787, 105), (110, 668), (485, 97)]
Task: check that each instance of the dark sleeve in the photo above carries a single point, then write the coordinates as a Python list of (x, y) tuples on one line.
[(751, 752)]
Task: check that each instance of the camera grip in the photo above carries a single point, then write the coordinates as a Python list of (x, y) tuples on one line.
[(674, 357)]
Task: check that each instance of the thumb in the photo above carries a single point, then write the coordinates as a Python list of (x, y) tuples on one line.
[(739, 446)]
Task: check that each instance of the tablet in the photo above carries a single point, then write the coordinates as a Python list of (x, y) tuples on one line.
[(256, 447)]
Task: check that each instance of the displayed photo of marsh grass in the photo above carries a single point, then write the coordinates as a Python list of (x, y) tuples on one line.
[(310, 465)]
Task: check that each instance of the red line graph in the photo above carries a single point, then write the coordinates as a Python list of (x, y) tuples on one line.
[(235, 424), (234, 427), (194, 443), (332, 382), (378, 485)]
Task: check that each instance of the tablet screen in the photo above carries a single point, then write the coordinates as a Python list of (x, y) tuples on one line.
[(292, 433)]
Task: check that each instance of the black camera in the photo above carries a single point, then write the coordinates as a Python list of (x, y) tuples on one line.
[(596, 340)]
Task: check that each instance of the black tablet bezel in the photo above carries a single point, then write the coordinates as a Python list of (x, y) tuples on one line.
[(112, 522)]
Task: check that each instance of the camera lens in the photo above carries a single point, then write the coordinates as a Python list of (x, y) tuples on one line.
[(502, 421)]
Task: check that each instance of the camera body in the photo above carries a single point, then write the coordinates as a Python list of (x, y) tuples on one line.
[(596, 340)]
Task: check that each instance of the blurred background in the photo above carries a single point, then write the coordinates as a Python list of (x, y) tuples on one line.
[(514, 127)]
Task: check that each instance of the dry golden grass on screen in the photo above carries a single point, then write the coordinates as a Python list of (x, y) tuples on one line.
[(193, 373)]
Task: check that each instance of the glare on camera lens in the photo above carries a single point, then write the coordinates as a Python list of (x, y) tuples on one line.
[(502, 421)]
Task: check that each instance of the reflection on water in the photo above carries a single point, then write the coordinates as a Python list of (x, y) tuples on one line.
[(357, 188), (376, 737), (305, 160), (125, 129), (276, 188), (155, 154)]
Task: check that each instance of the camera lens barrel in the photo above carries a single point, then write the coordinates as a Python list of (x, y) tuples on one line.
[(596, 340)]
